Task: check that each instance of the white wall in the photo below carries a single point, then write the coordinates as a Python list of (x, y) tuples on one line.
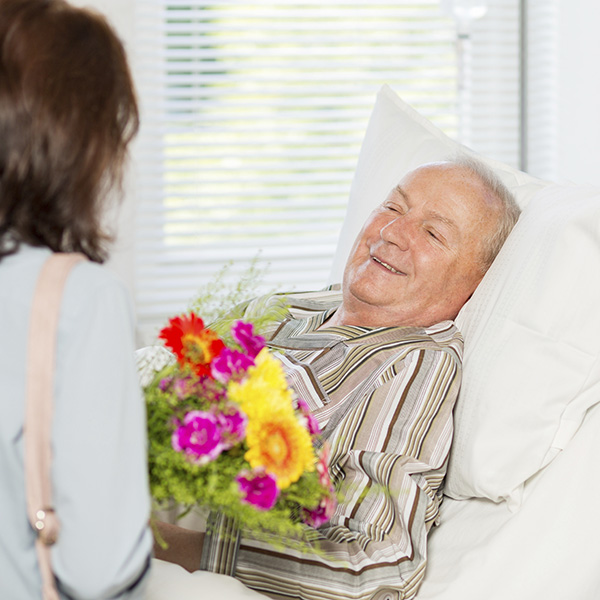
[(119, 12), (579, 91)]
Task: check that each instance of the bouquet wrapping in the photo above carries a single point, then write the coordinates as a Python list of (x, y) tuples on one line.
[(227, 432)]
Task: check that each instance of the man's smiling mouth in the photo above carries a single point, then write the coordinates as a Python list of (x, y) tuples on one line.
[(388, 267)]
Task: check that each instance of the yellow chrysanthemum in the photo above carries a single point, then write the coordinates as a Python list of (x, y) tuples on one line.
[(280, 444), (264, 390)]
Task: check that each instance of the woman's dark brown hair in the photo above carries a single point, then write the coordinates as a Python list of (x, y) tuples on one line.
[(67, 113)]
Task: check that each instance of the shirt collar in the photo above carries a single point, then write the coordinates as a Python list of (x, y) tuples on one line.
[(304, 333)]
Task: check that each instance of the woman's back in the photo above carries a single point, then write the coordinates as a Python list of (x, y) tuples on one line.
[(67, 114), (98, 437)]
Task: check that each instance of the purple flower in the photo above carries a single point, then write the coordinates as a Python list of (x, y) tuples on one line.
[(228, 364), (311, 423), (183, 387), (164, 384), (258, 488), (199, 437), (232, 422), (243, 334), (321, 514)]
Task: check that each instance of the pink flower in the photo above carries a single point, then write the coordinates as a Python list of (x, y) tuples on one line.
[(232, 422), (230, 363), (311, 423), (243, 334), (321, 514), (165, 383), (323, 467), (190, 386), (183, 387), (258, 488), (199, 437), (324, 511)]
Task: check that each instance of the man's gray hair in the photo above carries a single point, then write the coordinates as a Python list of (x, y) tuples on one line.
[(510, 210)]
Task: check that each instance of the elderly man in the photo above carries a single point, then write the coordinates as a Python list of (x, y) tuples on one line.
[(379, 362)]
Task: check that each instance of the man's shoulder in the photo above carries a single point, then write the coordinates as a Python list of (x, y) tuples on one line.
[(447, 338), (314, 301), (442, 337), (275, 309), (304, 303)]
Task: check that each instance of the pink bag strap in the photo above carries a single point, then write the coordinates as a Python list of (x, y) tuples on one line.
[(41, 353)]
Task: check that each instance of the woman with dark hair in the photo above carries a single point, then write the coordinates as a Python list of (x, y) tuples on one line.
[(67, 114)]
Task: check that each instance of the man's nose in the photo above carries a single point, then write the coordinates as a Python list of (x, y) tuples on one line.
[(399, 232)]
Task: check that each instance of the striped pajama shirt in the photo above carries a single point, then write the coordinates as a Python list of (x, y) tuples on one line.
[(384, 399)]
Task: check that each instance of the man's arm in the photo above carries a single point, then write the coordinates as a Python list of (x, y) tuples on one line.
[(182, 546)]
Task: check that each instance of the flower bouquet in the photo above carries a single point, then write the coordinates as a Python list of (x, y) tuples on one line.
[(226, 432)]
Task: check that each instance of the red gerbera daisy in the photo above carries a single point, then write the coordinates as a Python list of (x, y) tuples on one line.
[(192, 343)]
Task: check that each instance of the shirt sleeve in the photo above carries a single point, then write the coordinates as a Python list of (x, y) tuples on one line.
[(388, 460), (99, 464)]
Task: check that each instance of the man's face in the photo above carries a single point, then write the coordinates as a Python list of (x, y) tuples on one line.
[(417, 259)]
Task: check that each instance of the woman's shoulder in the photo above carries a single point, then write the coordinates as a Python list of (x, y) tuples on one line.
[(25, 266), (90, 288), (89, 278), (93, 289)]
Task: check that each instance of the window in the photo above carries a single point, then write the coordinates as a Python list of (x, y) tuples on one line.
[(540, 90), (253, 115)]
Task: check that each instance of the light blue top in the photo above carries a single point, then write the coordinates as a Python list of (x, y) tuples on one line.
[(98, 437)]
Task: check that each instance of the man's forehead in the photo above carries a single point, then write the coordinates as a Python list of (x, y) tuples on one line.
[(430, 168), (432, 212), (446, 181), (445, 170)]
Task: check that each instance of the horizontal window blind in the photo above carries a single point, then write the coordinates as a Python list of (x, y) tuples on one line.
[(252, 119)]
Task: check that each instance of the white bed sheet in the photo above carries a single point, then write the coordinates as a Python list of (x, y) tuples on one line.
[(549, 549), (172, 582)]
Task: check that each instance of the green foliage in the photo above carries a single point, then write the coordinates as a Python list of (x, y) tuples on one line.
[(219, 297), (221, 304)]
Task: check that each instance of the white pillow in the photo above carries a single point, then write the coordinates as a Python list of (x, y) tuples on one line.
[(532, 347), (531, 329)]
